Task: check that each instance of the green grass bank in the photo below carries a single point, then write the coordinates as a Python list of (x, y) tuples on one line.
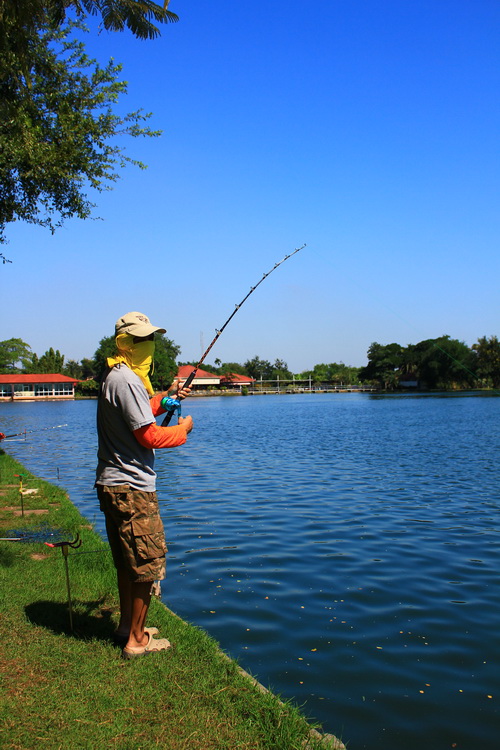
[(64, 687)]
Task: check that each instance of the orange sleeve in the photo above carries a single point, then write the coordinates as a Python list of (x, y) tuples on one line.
[(155, 402), (154, 436)]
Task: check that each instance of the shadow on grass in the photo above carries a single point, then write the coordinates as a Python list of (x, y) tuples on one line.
[(90, 619), (7, 557)]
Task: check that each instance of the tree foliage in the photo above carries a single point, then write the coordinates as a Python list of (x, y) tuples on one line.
[(384, 364), (50, 362), (165, 368), (435, 363), (225, 368), (106, 348), (334, 372), (58, 128), (487, 351), (262, 369), (22, 17), (14, 352)]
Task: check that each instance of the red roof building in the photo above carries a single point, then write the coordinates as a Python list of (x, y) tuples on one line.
[(203, 378), (22, 387), (235, 380)]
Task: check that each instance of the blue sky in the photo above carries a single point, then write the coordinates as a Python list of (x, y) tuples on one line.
[(368, 130)]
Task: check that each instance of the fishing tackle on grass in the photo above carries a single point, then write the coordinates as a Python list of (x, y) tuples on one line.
[(35, 535), (173, 405)]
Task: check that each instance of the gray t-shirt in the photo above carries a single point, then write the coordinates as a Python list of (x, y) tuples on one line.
[(124, 407)]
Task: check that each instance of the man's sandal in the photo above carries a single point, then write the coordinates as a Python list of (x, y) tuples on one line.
[(160, 644), (121, 639)]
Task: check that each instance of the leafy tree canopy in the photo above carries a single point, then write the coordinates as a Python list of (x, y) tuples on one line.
[(14, 352), (73, 369), (487, 352), (435, 363), (21, 17), (332, 373), (280, 370), (228, 367), (445, 362), (50, 362), (57, 127), (259, 368), (106, 348), (165, 368), (384, 363)]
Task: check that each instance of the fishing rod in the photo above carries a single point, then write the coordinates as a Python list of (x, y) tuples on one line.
[(40, 429), (171, 404)]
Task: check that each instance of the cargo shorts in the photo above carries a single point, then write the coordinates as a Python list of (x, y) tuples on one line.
[(135, 531)]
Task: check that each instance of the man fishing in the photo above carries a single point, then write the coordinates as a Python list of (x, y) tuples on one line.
[(125, 477)]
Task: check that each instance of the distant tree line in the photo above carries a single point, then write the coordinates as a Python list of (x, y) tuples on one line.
[(441, 363), (266, 371), (434, 363)]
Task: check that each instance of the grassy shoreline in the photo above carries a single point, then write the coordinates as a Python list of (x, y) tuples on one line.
[(69, 688)]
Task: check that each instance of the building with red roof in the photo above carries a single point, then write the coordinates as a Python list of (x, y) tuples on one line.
[(203, 378), (235, 380), (33, 387)]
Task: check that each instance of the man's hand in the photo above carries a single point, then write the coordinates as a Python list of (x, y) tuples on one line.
[(186, 422), (180, 391)]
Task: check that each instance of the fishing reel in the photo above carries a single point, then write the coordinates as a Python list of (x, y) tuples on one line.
[(171, 405)]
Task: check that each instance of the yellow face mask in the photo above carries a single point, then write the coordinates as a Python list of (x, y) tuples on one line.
[(138, 356)]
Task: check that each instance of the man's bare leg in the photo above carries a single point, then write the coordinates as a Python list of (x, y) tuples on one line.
[(135, 598)]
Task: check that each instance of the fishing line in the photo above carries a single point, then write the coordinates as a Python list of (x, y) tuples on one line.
[(40, 429), (171, 404)]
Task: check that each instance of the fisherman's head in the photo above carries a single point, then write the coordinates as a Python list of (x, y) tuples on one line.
[(135, 343)]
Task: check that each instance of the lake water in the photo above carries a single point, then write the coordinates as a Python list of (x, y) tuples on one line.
[(345, 548)]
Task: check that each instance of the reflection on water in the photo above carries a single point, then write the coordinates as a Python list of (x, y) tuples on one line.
[(345, 548)]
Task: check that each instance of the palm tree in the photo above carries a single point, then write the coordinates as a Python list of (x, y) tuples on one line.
[(139, 16)]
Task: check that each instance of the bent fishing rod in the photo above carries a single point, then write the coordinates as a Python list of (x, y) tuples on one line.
[(171, 404)]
